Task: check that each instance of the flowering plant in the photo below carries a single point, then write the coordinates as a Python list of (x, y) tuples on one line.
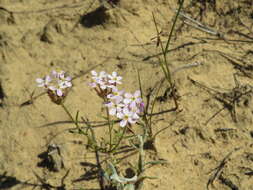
[(127, 107), (56, 84), (123, 105)]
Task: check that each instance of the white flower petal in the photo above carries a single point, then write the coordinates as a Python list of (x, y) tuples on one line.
[(68, 84), (126, 101), (128, 95), (131, 120), (102, 74), (52, 88), (54, 73), (112, 111), (135, 116), (111, 81), (109, 105), (119, 109), (110, 96), (138, 100), (60, 75), (59, 92), (133, 105), (103, 87), (119, 78), (110, 86), (117, 99), (41, 85), (123, 123), (93, 85), (114, 74), (120, 115), (47, 79), (68, 78), (94, 73), (39, 80), (126, 111)]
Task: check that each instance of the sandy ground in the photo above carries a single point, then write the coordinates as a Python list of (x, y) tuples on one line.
[(211, 132)]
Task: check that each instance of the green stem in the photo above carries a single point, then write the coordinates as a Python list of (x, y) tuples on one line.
[(168, 43), (71, 117), (165, 65), (171, 31), (110, 127), (152, 109), (119, 141)]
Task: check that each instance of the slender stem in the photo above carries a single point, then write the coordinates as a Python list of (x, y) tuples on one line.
[(164, 65), (145, 109), (110, 127), (152, 109), (71, 117), (165, 54), (96, 149), (173, 27), (119, 141), (67, 111)]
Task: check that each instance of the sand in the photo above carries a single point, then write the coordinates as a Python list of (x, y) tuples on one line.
[(205, 136)]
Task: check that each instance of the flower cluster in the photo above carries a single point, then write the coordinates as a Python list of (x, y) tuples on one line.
[(123, 105), (103, 83), (57, 85)]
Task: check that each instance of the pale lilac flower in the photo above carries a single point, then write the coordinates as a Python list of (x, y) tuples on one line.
[(116, 94), (55, 89), (133, 99), (51, 87), (54, 74), (114, 78), (65, 82), (61, 80), (135, 109), (56, 82), (114, 107), (102, 85), (125, 106), (92, 84), (59, 92), (104, 81), (95, 77), (99, 77), (94, 74), (43, 82), (61, 75), (127, 117), (100, 80), (141, 107), (103, 74)]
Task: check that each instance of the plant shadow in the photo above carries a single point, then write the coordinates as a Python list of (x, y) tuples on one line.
[(90, 173), (45, 162), (7, 182)]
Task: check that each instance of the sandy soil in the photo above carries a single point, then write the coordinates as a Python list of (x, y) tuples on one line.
[(211, 132)]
